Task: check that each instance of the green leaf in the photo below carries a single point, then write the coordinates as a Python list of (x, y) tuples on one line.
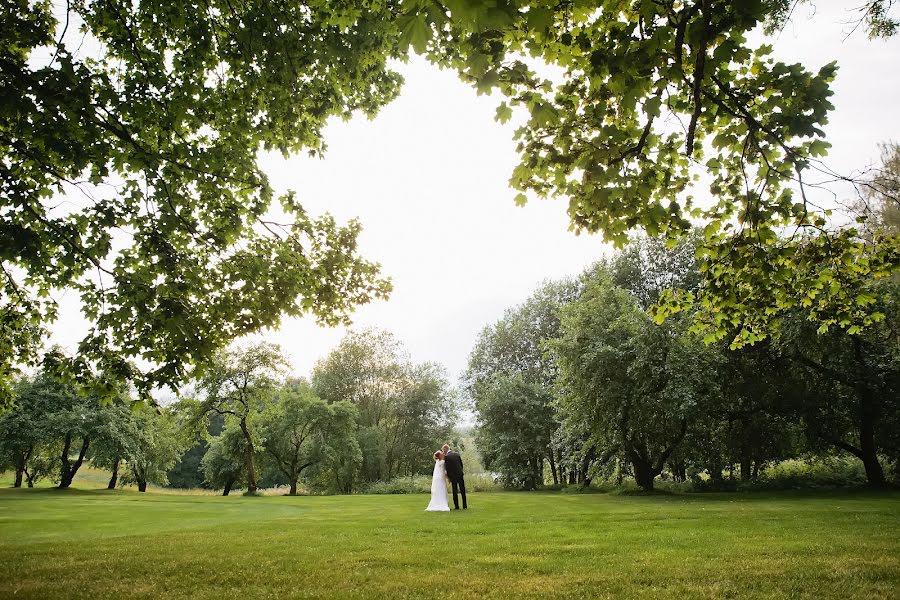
[(504, 113)]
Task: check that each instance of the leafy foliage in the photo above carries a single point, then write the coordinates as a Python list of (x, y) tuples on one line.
[(153, 141), (224, 464), (601, 135), (406, 411), (509, 380), (159, 443), (238, 385), (301, 431)]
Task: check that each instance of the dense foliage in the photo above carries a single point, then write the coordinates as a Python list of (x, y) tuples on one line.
[(629, 397), (129, 138), (147, 118), (406, 410)]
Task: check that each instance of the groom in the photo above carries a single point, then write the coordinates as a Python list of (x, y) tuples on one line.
[(454, 466)]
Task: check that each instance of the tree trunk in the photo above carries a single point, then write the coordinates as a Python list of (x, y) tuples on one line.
[(553, 468), (745, 469), (142, 485), (869, 412), (644, 473), (228, 485), (756, 470), (293, 491), (678, 471), (251, 466), (20, 470), (115, 476), (64, 479), (589, 457), (868, 448)]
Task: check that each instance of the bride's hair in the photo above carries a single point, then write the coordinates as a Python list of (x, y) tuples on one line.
[(437, 455)]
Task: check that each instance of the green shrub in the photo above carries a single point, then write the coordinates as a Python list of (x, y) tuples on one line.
[(814, 472), (421, 484)]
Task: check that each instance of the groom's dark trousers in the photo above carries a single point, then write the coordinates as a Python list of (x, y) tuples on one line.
[(454, 465), (459, 484)]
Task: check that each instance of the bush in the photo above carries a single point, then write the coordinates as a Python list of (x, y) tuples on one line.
[(421, 484), (829, 471)]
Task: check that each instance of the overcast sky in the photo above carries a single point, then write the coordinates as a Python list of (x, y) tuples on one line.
[(428, 180)]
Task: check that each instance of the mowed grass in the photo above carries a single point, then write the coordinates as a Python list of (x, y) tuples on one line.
[(95, 543)]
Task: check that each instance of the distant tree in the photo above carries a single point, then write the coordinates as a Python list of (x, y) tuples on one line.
[(845, 387), (117, 440), (22, 433), (879, 205), (647, 267), (636, 385), (404, 410), (239, 383), (424, 413), (74, 421), (516, 424), (187, 472), (225, 463), (510, 363), (301, 431), (159, 444)]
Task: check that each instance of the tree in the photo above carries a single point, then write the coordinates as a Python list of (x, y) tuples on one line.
[(117, 440), (159, 444), (879, 206), (187, 471), (648, 267), (152, 137), (636, 385), (74, 421), (239, 383), (510, 383), (600, 135), (516, 424), (301, 431), (224, 464), (22, 435), (423, 417), (404, 409), (846, 387)]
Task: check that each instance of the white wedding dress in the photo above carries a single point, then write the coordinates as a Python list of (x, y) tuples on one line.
[(439, 501)]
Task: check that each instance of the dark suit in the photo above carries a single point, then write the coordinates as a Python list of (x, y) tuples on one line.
[(454, 466)]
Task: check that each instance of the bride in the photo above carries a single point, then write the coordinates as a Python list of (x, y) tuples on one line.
[(439, 500)]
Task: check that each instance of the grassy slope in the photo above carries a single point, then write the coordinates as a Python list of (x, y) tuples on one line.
[(99, 543)]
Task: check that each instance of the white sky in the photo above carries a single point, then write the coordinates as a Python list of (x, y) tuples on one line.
[(428, 180)]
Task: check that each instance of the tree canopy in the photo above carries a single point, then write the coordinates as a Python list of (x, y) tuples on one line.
[(152, 138), (650, 94), (129, 172)]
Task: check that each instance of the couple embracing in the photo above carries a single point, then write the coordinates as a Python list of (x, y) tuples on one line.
[(447, 465)]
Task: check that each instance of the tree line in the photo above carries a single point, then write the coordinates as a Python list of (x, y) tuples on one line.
[(367, 414), (580, 382)]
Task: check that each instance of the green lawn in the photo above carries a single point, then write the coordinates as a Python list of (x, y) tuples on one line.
[(111, 544)]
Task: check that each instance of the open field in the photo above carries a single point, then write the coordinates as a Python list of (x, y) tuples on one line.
[(79, 543)]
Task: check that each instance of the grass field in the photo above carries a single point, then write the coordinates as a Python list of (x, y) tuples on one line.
[(93, 543)]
